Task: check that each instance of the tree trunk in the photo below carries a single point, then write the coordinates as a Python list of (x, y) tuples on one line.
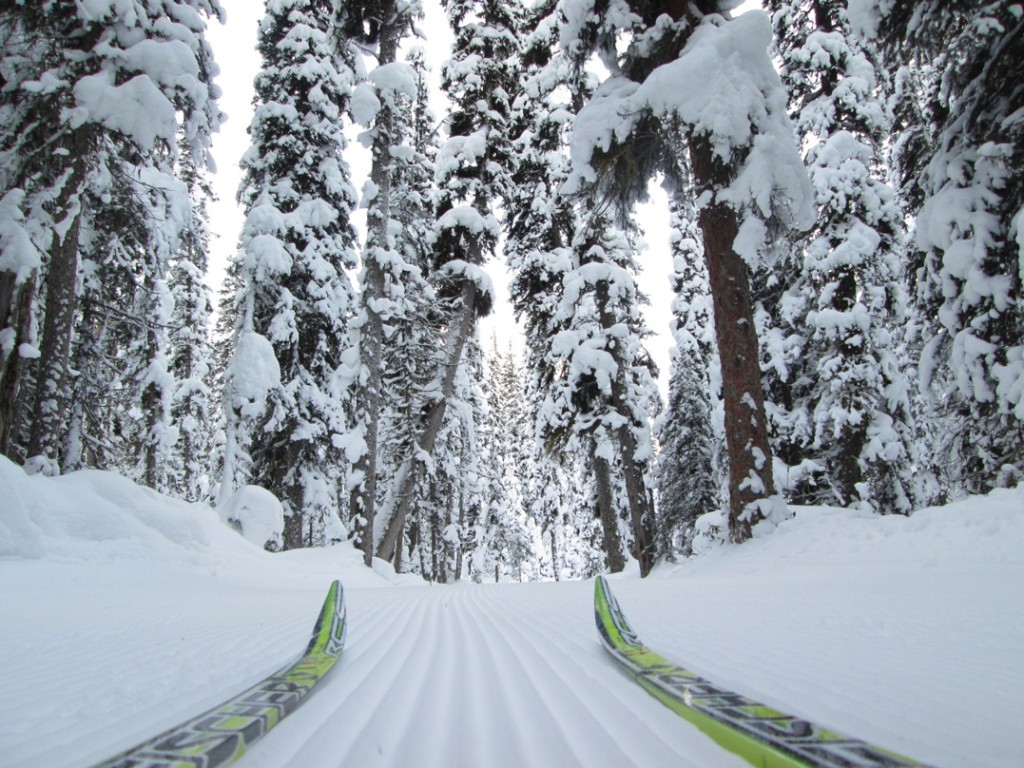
[(435, 565), (405, 480), (60, 311), (462, 521), (370, 395), (16, 317), (295, 535), (152, 404), (606, 510), (640, 514), (554, 552), (746, 434)]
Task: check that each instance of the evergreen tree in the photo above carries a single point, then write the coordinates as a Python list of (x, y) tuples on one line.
[(191, 355), (95, 118), (687, 471), (295, 299), (604, 392), (847, 305), (480, 80), (959, 151), (414, 328), (386, 276), (503, 540), (668, 63), (540, 228)]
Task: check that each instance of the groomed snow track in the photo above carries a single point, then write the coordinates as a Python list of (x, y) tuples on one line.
[(489, 675), (483, 676)]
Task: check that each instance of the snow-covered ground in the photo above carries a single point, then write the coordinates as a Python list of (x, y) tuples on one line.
[(122, 613)]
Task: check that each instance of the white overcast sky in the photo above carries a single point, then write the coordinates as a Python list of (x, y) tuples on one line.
[(234, 45)]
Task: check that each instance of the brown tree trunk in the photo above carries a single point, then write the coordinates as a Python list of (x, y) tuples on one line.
[(295, 534), (746, 434), (60, 311), (435, 564), (606, 511), (637, 497), (55, 346)]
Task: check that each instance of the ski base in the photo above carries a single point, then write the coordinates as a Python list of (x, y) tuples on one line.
[(759, 734), (222, 735)]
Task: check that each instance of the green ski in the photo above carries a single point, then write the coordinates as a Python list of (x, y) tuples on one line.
[(222, 735), (761, 735)]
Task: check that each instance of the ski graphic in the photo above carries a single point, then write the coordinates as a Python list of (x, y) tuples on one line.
[(222, 735), (762, 736)]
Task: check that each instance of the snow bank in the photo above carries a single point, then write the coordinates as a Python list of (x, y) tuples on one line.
[(258, 515), (101, 516), (97, 519), (978, 531)]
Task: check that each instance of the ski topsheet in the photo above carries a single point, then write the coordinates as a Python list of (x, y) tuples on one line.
[(759, 734), (221, 735)]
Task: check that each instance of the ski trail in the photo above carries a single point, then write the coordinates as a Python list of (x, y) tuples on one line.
[(546, 654), (382, 637), (471, 676), (188, 665)]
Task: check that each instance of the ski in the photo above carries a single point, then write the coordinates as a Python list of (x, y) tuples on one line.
[(759, 734), (221, 736)]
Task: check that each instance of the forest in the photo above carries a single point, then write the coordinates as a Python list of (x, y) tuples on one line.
[(846, 197)]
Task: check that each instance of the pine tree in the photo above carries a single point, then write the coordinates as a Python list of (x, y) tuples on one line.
[(667, 63), (847, 305), (606, 393), (959, 151), (687, 472), (540, 227), (191, 354), (295, 299), (93, 118), (391, 88), (502, 539), (480, 80), (413, 330)]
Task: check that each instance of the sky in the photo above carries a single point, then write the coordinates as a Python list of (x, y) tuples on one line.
[(234, 45)]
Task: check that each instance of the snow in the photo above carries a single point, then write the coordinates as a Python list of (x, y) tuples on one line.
[(124, 612), (254, 370), (258, 514), (17, 253), (136, 108), (722, 86), (394, 78), (364, 105)]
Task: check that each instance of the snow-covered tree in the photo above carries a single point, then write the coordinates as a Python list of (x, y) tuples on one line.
[(959, 153), (687, 471), (686, 75), (571, 306), (541, 223), (501, 541), (386, 276), (842, 317), (292, 310), (190, 351), (471, 175), (603, 393), (99, 101)]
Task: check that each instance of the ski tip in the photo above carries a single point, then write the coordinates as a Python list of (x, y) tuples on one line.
[(331, 626), (612, 626)]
